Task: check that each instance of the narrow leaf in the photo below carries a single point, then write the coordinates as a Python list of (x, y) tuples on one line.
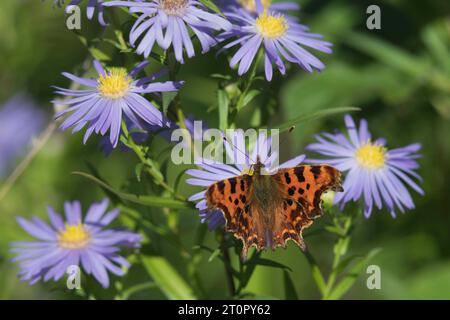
[(167, 278), (224, 104), (211, 5), (151, 201), (348, 280), (289, 289), (316, 273)]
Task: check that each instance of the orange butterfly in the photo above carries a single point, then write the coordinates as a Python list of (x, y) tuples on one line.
[(266, 211)]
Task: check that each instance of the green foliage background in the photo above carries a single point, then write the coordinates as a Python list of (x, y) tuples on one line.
[(399, 76)]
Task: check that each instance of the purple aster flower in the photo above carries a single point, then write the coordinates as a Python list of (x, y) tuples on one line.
[(280, 37), (20, 120), (213, 171), (167, 23), (114, 94), (90, 9), (82, 242), (374, 173)]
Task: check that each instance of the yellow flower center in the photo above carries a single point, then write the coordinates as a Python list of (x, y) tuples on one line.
[(371, 156), (250, 5), (115, 84), (173, 7), (271, 26), (74, 237)]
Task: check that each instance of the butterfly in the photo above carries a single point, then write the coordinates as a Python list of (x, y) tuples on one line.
[(265, 211)]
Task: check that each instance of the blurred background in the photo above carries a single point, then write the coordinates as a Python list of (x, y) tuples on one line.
[(399, 76)]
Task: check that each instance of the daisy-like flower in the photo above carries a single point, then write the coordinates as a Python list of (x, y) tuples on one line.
[(90, 9), (167, 23), (243, 161), (14, 135), (374, 173), (77, 241), (115, 93), (278, 35)]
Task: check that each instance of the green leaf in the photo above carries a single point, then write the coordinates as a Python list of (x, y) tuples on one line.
[(436, 38), (349, 279), (316, 273), (249, 97), (167, 98), (211, 5), (138, 171), (167, 278), (214, 255), (314, 116), (389, 54), (99, 55), (269, 263), (150, 201), (224, 104), (289, 289)]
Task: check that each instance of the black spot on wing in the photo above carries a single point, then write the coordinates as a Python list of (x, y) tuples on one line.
[(221, 186), (315, 170), (299, 173), (291, 191), (242, 185), (232, 185), (287, 178)]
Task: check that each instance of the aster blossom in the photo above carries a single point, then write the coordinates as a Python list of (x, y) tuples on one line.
[(77, 241), (167, 23), (373, 173), (114, 94), (280, 37), (243, 161)]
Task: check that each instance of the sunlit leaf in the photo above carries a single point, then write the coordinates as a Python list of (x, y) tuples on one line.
[(349, 279), (211, 5), (167, 278)]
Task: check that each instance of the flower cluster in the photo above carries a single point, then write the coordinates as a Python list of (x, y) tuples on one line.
[(116, 100)]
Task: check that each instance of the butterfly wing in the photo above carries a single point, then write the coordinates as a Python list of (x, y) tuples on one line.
[(294, 202), (301, 188), (233, 197)]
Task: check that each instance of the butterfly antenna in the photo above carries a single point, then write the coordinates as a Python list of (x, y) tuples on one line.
[(291, 129), (236, 148)]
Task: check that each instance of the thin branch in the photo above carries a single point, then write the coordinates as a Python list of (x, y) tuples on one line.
[(20, 169)]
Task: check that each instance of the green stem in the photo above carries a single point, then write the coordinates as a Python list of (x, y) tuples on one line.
[(139, 287), (142, 157), (247, 84), (227, 265), (332, 278)]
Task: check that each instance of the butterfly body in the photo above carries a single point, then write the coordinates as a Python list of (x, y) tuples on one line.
[(265, 210)]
